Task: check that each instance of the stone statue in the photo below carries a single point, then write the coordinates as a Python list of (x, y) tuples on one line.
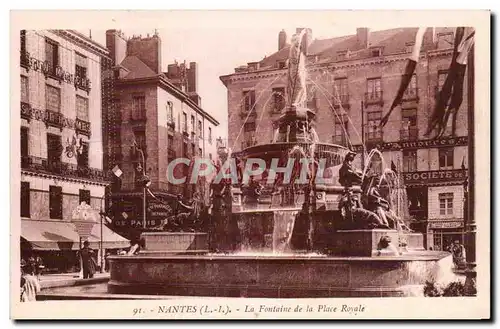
[(348, 176), (374, 202)]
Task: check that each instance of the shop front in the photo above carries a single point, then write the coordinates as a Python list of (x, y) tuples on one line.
[(444, 233)]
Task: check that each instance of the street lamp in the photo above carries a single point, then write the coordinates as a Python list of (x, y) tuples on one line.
[(145, 182)]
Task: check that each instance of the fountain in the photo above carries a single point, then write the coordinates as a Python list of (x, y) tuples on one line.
[(318, 229)]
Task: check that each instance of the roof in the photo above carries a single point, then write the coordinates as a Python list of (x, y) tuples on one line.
[(393, 41), (138, 69)]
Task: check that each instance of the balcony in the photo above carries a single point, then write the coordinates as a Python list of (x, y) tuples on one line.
[(26, 111), (248, 143), (54, 119), (68, 170), (339, 140), (341, 101), (410, 134), (276, 107), (171, 124), (411, 95), (82, 127), (82, 83), (374, 98), (248, 111), (374, 136)]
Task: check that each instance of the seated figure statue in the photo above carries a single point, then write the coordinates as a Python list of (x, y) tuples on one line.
[(374, 202), (349, 176), (351, 207)]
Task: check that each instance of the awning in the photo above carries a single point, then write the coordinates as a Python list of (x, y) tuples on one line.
[(61, 235)]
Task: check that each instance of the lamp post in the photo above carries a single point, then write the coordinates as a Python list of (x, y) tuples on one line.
[(145, 181)]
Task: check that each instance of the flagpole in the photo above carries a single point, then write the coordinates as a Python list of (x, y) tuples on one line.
[(363, 137)]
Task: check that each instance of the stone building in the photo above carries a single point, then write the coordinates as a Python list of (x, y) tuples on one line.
[(352, 81), (61, 150), (161, 113)]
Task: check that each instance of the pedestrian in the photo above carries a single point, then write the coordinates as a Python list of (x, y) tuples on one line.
[(39, 266), (88, 262), (30, 286)]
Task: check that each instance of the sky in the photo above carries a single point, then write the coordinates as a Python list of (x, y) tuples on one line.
[(218, 48)]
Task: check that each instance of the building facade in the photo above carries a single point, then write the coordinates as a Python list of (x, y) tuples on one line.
[(352, 81), (156, 117), (61, 149)]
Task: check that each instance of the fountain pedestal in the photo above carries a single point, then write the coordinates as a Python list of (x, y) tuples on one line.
[(366, 243), (159, 243)]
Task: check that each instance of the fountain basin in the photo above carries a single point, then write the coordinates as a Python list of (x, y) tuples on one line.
[(174, 243), (268, 276)]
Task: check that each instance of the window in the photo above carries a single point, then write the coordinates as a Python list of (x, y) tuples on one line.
[(278, 99), (442, 74), (376, 52), (184, 122), (340, 87), (170, 112), (52, 98), (249, 103), (210, 156), (200, 152), (193, 127), (80, 66), (446, 158), (281, 64), (311, 97), (210, 135), (170, 142), (409, 161), (409, 129), (55, 202), (25, 199), (249, 126), (54, 151), (24, 89), (411, 91), (82, 108), (52, 55), (341, 132), (139, 108), (140, 140), (374, 86), (84, 196), (373, 131), (446, 203), (24, 142), (200, 129), (83, 157), (185, 149), (409, 47)]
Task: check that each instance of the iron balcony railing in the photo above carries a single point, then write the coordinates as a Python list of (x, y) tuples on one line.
[(374, 97), (410, 134), (374, 136), (411, 94), (82, 127), (69, 170)]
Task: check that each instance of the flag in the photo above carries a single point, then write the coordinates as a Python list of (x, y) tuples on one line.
[(450, 97), (393, 167), (408, 74), (117, 171)]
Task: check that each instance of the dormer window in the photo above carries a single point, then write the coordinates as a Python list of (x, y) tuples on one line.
[(343, 54), (281, 64), (409, 46), (376, 52)]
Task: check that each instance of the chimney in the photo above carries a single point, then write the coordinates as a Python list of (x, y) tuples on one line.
[(192, 77), (117, 46), (281, 40), (363, 36), (147, 50)]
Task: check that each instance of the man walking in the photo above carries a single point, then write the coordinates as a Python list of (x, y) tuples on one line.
[(88, 262)]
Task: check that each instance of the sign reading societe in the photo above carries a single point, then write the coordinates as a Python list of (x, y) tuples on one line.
[(434, 176)]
